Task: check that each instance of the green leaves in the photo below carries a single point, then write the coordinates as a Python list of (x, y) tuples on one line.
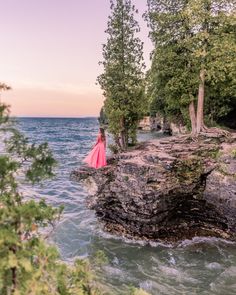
[(12, 260), (189, 35), (27, 265), (122, 80), (37, 161), (4, 114)]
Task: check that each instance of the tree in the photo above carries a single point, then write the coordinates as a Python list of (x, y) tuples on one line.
[(194, 55), (172, 77), (102, 118), (122, 81), (3, 87), (28, 266), (215, 50)]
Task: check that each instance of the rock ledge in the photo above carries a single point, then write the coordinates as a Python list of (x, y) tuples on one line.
[(167, 190)]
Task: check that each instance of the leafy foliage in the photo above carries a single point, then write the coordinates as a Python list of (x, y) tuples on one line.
[(191, 36), (27, 265), (103, 122), (122, 80)]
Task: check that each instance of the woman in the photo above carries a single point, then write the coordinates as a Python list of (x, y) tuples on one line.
[(97, 157)]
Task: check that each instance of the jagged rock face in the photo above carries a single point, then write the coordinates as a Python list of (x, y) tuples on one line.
[(166, 190), (220, 189)]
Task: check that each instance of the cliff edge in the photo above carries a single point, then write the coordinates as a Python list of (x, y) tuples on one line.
[(167, 190)]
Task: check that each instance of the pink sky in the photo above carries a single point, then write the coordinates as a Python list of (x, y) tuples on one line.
[(49, 55)]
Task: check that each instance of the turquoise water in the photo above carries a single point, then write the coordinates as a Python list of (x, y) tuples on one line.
[(202, 266)]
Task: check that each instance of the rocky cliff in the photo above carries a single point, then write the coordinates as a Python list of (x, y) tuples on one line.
[(167, 190)]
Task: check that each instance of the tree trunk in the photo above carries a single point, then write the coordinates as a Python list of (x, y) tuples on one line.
[(123, 141), (200, 105), (123, 134), (117, 141), (193, 118), (14, 282), (14, 272)]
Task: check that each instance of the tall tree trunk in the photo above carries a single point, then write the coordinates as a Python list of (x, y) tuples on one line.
[(123, 140), (117, 141), (193, 118), (200, 105), (126, 137), (14, 280), (123, 136), (14, 272)]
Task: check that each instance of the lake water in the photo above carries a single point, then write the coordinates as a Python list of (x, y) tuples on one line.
[(202, 266)]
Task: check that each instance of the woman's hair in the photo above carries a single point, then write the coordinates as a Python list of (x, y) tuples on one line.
[(102, 132)]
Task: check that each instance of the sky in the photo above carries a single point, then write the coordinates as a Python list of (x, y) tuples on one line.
[(49, 54)]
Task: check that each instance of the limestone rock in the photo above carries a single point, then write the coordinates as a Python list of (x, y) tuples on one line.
[(167, 190)]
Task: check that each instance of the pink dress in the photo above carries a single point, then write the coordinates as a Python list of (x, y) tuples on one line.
[(97, 157)]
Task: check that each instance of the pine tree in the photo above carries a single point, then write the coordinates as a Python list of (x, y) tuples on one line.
[(122, 80), (194, 58)]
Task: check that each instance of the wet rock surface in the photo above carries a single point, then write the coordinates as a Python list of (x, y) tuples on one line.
[(167, 190)]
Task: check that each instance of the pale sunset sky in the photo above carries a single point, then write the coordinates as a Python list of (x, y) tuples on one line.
[(49, 54)]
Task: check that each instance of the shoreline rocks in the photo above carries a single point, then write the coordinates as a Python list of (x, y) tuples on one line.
[(161, 124), (167, 190)]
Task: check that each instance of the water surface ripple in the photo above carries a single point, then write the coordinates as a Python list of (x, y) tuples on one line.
[(202, 266)]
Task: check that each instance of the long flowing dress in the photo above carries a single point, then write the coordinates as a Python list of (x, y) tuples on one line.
[(97, 157)]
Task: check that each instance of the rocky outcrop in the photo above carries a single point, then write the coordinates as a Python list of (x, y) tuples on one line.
[(167, 190), (151, 123), (220, 190), (159, 123), (146, 125)]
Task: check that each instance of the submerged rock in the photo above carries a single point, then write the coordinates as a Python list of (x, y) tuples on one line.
[(167, 190)]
